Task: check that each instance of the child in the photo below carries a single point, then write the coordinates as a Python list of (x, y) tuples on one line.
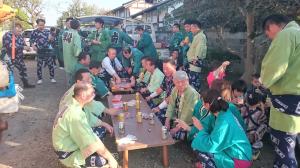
[(225, 144), (239, 89), (256, 86), (255, 120), (218, 73)]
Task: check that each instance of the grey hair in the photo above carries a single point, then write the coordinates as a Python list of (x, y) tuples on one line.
[(180, 75)]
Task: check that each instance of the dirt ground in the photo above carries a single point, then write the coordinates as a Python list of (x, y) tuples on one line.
[(27, 142)]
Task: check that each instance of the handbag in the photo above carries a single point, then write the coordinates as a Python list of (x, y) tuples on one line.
[(11, 104), (4, 75)]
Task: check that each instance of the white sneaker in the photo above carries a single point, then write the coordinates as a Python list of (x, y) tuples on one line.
[(39, 82), (53, 81), (62, 68)]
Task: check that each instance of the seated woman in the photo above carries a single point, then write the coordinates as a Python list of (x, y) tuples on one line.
[(225, 144), (207, 119)]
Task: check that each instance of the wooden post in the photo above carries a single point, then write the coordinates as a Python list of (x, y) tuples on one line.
[(125, 159), (165, 156)]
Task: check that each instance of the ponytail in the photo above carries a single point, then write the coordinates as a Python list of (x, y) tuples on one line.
[(215, 100)]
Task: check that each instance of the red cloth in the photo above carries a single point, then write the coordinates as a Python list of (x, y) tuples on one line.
[(242, 163), (211, 77)]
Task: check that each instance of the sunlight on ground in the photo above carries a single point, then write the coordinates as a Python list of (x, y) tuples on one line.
[(22, 107), (12, 144), (4, 166)]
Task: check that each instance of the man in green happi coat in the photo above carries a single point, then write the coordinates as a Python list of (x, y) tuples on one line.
[(99, 40), (145, 43)]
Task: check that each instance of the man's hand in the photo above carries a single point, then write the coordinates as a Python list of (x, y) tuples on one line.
[(148, 98), (159, 90), (182, 124), (174, 130), (156, 110), (96, 42), (113, 163), (197, 123), (143, 90), (118, 80), (112, 111), (129, 71), (109, 128)]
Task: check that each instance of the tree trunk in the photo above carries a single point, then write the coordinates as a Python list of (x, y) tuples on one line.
[(248, 61)]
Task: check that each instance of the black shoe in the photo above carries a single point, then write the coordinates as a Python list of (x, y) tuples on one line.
[(26, 85)]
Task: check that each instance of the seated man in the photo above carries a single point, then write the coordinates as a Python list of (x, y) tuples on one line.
[(73, 139), (181, 104), (131, 60), (169, 69), (144, 76), (83, 63), (99, 85), (93, 110), (112, 67), (155, 80)]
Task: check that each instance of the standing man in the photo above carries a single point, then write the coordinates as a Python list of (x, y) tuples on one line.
[(119, 37), (60, 42), (176, 38), (71, 47), (40, 41), (187, 40), (132, 61), (99, 40), (145, 43), (18, 62), (196, 54), (280, 74)]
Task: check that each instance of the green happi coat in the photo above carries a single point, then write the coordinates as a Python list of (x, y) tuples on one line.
[(175, 41), (98, 51), (99, 85), (92, 110), (72, 133), (146, 45), (208, 120), (187, 103), (71, 49), (60, 44), (197, 50), (156, 80), (226, 141), (119, 37), (280, 73), (185, 48), (135, 61)]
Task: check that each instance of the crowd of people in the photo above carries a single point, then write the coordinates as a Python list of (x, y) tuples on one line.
[(224, 124)]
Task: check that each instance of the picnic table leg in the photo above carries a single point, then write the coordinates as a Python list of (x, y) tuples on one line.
[(165, 156), (125, 159)]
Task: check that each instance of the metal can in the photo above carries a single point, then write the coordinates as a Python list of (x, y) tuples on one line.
[(138, 105), (151, 117), (125, 106), (121, 128), (137, 96), (121, 117), (164, 132), (139, 117)]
